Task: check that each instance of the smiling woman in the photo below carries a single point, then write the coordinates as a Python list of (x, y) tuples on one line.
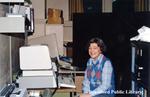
[(96, 47), (99, 76)]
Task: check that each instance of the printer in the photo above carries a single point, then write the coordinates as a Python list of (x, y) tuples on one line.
[(37, 68)]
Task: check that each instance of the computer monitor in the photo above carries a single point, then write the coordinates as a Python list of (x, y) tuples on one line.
[(35, 57)]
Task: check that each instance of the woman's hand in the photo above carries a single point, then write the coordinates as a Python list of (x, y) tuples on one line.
[(85, 95)]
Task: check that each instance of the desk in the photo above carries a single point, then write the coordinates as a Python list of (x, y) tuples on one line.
[(78, 78), (71, 71), (78, 84)]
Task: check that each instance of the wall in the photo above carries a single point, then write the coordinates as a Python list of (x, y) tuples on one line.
[(39, 9), (68, 31), (39, 16)]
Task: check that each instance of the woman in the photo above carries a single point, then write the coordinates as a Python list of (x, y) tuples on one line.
[(99, 77)]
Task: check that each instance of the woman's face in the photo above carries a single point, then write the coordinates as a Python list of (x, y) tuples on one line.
[(94, 51)]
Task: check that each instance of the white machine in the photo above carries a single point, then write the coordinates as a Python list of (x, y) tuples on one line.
[(38, 72)]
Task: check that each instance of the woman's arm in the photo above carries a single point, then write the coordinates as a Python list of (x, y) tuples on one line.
[(86, 84)]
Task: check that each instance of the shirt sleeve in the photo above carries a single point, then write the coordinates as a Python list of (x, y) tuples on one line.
[(86, 84), (106, 79)]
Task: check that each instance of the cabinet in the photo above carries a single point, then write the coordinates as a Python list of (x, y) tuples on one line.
[(140, 68)]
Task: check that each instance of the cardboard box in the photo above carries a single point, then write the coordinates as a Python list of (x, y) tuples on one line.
[(54, 12), (55, 16), (54, 20)]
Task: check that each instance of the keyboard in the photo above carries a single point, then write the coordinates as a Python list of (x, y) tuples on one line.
[(65, 65), (64, 81), (7, 90)]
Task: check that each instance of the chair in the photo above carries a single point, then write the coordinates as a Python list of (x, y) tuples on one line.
[(36, 66)]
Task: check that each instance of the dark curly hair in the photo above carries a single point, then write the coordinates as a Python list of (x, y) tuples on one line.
[(99, 42)]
